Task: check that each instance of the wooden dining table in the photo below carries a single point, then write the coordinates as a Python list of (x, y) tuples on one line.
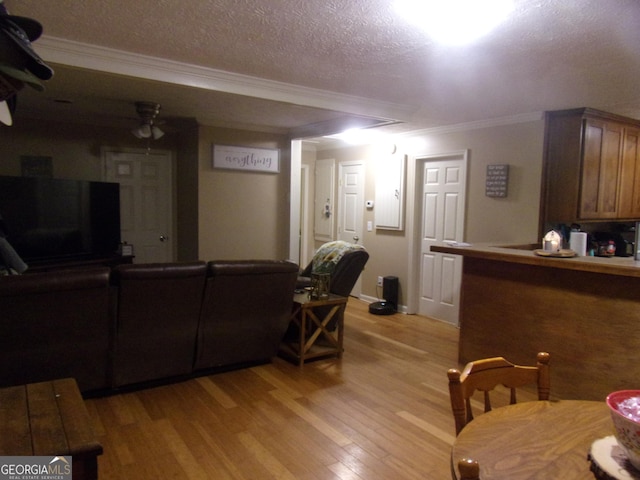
[(534, 440)]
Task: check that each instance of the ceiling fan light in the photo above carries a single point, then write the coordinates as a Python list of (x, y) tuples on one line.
[(147, 111), (156, 132), (136, 132), (143, 131)]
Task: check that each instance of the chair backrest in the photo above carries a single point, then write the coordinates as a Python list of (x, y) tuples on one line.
[(347, 271), (344, 261), (469, 469), (486, 374)]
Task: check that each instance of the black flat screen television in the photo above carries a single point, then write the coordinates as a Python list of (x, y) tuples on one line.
[(50, 220)]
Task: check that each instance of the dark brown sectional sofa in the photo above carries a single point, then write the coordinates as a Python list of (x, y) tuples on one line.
[(55, 325), (142, 324)]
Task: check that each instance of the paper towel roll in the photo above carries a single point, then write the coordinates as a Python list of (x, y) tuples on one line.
[(578, 243)]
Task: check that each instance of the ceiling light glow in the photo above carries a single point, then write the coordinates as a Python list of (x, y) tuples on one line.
[(356, 136), (455, 22)]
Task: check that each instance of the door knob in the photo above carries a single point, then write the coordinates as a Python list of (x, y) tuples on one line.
[(163, 238), (356, 238)]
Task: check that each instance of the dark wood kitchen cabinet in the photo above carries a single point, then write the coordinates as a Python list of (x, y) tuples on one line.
[(591, 169), (630, 180), (601, 170)]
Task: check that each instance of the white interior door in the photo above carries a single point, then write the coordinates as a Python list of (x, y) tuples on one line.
[(145, 202), (323, 220), (443, 210), (350, 206)]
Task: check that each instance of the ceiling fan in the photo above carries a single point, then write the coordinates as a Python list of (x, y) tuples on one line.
[(147, 111)]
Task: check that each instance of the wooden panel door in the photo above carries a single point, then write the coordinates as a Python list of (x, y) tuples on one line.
[(600, 170), (351, 188), (323, 223), (443, 210), (145, 202), (350, 207)]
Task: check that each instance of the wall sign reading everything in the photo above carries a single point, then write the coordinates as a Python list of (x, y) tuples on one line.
[(497, 180), (246, 158)]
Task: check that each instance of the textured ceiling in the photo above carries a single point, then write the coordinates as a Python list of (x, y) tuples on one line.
[(301, 62)]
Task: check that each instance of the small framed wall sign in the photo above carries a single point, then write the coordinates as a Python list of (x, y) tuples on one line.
[(126, 249), (36, 166), (246, 158), (497, 180)]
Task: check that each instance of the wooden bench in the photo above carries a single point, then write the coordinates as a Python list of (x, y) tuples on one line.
[(49, 418)]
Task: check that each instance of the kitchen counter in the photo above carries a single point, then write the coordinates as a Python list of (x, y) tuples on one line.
[(624, 266), (584, 311)]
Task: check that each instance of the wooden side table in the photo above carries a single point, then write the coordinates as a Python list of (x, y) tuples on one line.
[(314, 340), (49, 418)]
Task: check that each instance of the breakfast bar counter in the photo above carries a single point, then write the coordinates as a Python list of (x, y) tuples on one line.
[(524, 254), (584, 311)]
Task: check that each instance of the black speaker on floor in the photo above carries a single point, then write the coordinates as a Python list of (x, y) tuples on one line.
[(389, 305)]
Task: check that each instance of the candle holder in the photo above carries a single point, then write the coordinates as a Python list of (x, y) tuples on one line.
[(552, 241)]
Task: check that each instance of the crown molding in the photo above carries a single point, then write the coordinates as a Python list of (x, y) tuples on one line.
[(488, 123), (93, 57)]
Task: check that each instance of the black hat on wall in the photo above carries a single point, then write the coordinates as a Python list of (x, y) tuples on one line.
[(21, 31), (31, 27), (19, 63)]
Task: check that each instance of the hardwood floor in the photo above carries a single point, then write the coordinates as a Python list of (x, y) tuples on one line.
[(381, 412)]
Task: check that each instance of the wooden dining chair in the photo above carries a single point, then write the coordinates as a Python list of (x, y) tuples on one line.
[(469, 469), (485, 375)]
